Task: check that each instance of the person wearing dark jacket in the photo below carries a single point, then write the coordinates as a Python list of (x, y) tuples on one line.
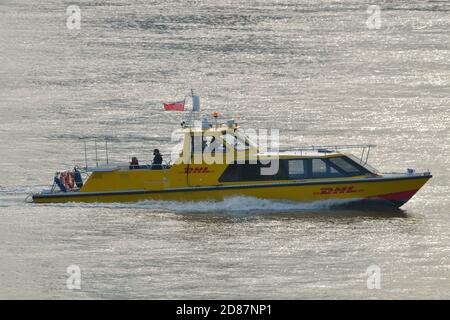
[(134, 164), (157, 160)]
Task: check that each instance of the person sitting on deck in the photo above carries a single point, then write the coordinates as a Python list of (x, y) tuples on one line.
[(134, 164), (157, 160)]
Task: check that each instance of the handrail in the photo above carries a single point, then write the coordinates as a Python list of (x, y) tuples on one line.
[(334, 148), (104, 162), (95, 139)]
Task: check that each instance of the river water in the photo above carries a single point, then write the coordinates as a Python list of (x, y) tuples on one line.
[(322, 72)]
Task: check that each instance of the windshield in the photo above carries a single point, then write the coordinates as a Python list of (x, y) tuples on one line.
[(238, 142), (360, 162), (250, 140)]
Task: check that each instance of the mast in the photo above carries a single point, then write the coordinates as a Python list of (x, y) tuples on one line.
[(193, 114)]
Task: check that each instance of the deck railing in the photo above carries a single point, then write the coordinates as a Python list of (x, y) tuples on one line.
[(365, 150)]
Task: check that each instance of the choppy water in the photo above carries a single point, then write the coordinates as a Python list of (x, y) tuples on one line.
[(312, 69)]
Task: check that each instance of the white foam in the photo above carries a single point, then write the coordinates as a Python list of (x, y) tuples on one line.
[(22, 189), (239, 204)]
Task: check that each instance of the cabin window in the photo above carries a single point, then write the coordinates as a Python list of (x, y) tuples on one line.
[(236, 142), (296, 169), (348, 166), (197, 143), (250, 172), (322, 168), (319, 167), (248, 139), (205, 143), (212, 144)]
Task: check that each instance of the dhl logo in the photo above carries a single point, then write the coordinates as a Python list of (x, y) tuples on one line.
[(347, 189), (196, 170)]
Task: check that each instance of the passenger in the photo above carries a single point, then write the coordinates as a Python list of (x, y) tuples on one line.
[(157, 160), (59, 183), (78, 178), (134, 164)]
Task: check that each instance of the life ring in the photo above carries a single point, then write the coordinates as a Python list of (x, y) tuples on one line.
[(68, 179)]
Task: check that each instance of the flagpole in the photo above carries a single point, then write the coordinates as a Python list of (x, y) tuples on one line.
[(192, 115)]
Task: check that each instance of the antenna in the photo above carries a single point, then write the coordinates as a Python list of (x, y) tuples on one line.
[(195, 102), (106, 150), (195, 109), (85, 154), (96, 155)]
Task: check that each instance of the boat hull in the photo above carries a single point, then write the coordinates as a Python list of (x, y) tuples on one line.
[(394, 191)]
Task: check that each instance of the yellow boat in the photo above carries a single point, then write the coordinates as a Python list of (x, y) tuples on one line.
[(217, 161)]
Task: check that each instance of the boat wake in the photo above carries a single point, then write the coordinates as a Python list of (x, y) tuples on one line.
[(233, 205), (16, 196)]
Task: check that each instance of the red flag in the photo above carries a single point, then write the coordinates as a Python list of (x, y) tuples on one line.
[(174, 106)]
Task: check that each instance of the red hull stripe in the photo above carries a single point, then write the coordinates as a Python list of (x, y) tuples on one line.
[(402, 196)]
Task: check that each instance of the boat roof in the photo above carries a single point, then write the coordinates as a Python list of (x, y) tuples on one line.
[(213, 129)]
